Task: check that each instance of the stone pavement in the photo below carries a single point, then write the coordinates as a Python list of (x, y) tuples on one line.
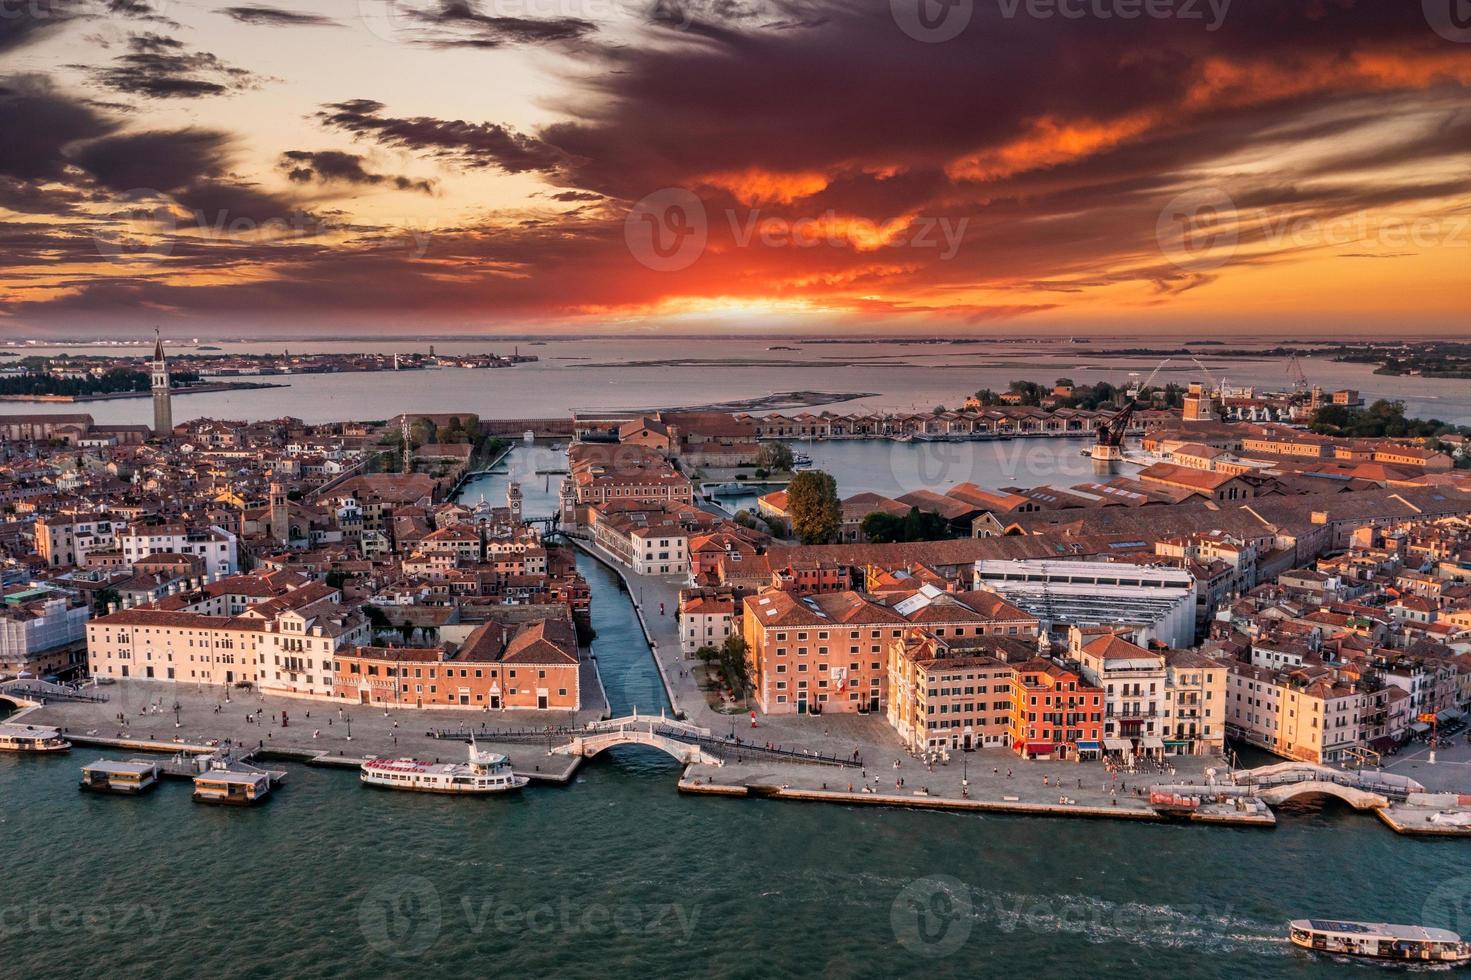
[(312, 726), (991, 774), (1450, 773)]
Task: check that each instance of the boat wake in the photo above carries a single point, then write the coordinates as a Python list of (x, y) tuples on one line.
[(1200, 928)]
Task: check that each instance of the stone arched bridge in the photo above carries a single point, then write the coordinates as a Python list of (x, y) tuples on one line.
[(634, 730), (1360, 790)]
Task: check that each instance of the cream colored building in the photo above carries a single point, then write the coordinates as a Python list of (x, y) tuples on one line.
[(1293, 715), (1195, 723), (154, 644)]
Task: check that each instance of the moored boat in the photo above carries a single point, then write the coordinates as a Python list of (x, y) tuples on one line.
[(232, 787), (31, 738), (482, 774), (1379, 940), (122, 778)]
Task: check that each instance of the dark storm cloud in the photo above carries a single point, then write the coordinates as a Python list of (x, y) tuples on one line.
[(334, 166), (161, 67), (140, 10), (1057, 142), (38, 124), (193, 166), (24, 22), (469, 144), (461, 23), (277, 17)]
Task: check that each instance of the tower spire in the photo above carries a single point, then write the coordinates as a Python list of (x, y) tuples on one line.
[(163, 411)]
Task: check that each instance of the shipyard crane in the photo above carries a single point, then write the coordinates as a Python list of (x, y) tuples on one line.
[(1135, 391), (1295, 374), (1220, 385)]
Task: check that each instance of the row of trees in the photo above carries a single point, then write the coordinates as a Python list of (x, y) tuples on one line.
[(1382, 418), (112, 382), (1088, 397)]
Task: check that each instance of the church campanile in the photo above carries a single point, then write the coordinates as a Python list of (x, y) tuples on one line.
[(163, 410)]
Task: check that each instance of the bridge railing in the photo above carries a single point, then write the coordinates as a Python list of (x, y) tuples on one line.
[(42, 691), (727, 748), (1366, 783)]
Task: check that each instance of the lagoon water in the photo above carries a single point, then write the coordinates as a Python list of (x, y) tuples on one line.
[(650, 372), (621, 876)]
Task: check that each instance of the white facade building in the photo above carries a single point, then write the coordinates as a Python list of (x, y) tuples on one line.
[(217, 547)]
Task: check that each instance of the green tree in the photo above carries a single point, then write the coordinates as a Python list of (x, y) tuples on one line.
[(734, 666), (812, 504), (105, 598), (774, 456), (882, 528)]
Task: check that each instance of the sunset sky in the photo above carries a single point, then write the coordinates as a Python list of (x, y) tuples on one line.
[(983, 166)]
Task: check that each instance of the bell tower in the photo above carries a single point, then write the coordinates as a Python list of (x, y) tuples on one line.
[(280, 515), (163, 410), (513, 501)]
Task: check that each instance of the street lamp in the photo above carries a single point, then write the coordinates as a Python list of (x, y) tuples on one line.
[(177, 723), (348, 719)]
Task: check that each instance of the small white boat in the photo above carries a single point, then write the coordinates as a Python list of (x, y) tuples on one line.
[(1379, 940), (484, 773), (31, 738)]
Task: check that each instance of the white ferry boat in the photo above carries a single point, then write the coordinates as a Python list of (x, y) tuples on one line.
[(232, 787), (485, 772), (1379, 940), (123, 778), (31, 738)]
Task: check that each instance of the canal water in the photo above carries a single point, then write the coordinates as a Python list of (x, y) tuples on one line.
[(878, 466), (618, 875)]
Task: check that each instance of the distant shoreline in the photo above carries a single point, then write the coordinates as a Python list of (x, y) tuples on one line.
[(111, 395)]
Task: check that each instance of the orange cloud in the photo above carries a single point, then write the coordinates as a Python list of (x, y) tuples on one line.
[(755, 186), (1050, 141)]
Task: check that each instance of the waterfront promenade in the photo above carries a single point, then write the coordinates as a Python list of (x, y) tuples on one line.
[(342, 734)]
